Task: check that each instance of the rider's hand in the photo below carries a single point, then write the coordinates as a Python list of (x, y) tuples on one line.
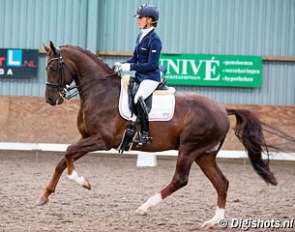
[(117, 67), (125, 67)]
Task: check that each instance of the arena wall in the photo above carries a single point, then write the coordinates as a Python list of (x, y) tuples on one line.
[(32, 120)]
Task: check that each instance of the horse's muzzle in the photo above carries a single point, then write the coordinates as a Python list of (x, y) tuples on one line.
[(54, 100)]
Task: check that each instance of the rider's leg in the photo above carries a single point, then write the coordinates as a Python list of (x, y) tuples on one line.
[(146, 88), (142, 110)]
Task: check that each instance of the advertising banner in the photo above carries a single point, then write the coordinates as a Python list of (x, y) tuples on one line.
[(213, 70), (18, 63)]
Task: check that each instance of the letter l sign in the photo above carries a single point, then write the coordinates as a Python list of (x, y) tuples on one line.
[(14, 57)]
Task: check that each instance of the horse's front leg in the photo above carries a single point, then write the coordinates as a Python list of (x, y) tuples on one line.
[(70, 155), (51, 186), (73, 153)]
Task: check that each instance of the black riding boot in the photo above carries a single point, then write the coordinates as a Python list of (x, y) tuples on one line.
[(144, 137)]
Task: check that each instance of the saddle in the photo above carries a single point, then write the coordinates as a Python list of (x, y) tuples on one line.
[(160, 104)]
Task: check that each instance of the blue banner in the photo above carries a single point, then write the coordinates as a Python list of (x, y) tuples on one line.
[(18, 62)]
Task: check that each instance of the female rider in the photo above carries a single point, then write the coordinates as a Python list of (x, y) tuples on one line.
[(145, 61)]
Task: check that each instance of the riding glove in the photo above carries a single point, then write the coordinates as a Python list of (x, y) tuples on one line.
[(117, 67), (121, 67), (125, 67)]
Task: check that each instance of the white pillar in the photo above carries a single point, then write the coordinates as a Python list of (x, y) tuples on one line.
[(146, 159)]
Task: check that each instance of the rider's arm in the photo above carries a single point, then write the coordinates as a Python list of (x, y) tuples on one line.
[(153, 60)]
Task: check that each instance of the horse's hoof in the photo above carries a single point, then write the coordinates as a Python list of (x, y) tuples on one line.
[(87, 185), (40, 202), (209, 224), (141, 212)]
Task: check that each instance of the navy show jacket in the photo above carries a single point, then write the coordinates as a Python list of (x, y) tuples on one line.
[(145, 58)]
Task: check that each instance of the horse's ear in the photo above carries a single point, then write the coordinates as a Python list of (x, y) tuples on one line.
[(53, 48), (47, 49)]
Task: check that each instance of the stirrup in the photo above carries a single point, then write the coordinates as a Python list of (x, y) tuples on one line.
[(143, 138)]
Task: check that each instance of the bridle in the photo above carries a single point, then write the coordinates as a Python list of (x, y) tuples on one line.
[(61, 87)]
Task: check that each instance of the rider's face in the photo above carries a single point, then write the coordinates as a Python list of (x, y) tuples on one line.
[(143, 22)]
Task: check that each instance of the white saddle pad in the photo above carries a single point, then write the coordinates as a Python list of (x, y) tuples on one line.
[(162, 107)]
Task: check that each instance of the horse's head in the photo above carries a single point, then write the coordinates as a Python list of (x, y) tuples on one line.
[(59, 76)]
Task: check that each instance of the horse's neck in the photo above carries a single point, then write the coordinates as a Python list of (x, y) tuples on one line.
[(99, 88), (95, 83), (88, 73), (87, 66), (94, 76)]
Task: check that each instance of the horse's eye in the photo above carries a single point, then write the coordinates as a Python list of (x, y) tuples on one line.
[(53, 68)]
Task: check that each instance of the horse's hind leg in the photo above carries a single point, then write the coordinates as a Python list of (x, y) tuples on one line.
[(179, 180), (207, 163)]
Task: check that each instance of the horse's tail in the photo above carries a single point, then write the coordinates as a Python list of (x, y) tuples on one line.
[(249, 131)]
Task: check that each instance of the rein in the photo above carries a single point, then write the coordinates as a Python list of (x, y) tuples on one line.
[(90, 85), (62, 88)]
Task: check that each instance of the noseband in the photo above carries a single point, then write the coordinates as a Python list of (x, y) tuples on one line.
[(61, 86)]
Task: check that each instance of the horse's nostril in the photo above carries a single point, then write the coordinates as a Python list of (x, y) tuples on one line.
[(49, 100)]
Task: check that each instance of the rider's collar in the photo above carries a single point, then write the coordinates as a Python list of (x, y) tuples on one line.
[(145, 32)]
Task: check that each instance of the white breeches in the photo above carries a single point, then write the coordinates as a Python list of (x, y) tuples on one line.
[(145, 89)]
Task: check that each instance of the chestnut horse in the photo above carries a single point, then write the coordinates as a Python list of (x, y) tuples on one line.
[(197, 129)]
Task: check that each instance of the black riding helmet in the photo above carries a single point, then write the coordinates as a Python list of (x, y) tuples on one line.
[(148, 11)]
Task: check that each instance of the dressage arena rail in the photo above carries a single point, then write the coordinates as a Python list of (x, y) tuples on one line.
[(144, 159)]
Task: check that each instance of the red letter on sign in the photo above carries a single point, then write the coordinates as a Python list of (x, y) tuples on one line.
[(1, 60), (29, 64)]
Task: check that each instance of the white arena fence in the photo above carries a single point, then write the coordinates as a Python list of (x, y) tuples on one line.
[(143, 158)]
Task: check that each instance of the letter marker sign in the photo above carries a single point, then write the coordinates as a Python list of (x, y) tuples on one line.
[(213, 70), (20, 63)]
